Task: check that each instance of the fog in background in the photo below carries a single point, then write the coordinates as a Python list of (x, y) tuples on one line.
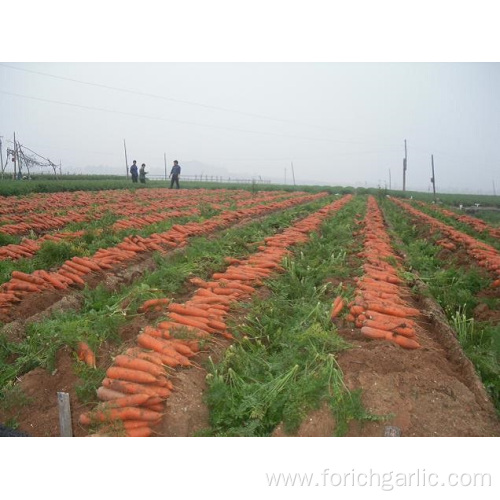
[(339, 123)]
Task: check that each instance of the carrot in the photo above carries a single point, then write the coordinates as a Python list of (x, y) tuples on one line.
[(152, 303), (393, 310), (373, 333), (190, 322), (119, 373), (139, 364), (188, 311), (144, 431), (133, 424), (218, 325), (86, 354), (105, 394), (124, 413), (28, 278), (22, 286), (87, 263), (226, 291), (156, 332), (403, 341), (130, 400), (133, 388), (356, 310), (78, 268), (151, 356), (72, 276), (182, 348), (160, 346), (338, 305), (173, 326), (52, 280)]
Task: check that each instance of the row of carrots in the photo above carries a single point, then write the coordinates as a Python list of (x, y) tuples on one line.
[(202, 316), (380, 307), (27, 248), (477, 224), (485, 255), (73, 271)]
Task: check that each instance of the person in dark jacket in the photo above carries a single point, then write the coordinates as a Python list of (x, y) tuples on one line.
[(142, 174), (134, 171), (174, 174)]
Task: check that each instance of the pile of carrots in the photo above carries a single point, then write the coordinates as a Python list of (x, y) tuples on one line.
[(485, 255), (41, 223), (142, 371), (477, 224), (380, 308), (28, 247)]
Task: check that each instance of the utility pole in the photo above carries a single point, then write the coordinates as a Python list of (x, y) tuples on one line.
[(165, 160), (494, 191), (15, 157), (390, 180), (285, 176), (405, 165), (126, 161), (433, 179), (293, 175)]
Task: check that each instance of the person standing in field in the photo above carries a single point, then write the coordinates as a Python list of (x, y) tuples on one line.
[(142, 174), (174, 174), (134, 171)]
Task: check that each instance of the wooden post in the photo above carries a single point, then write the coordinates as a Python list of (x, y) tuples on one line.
[(126, 161), (433, 178), (64, 414), (392, 431), (405, 166)]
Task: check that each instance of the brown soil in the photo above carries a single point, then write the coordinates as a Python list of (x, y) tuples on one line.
[(186, 412)]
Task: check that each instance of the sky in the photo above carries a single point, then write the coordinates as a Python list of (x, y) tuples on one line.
[(318, 122)]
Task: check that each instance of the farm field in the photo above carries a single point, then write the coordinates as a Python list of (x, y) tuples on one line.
[(226, 312)]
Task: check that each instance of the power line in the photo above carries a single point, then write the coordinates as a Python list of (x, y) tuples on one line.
[(171, 99), (93, 108)]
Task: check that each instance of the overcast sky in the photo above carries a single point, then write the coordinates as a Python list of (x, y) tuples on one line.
[(339, 123)]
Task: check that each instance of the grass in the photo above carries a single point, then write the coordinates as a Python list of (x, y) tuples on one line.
[(104, 312), (284, 364), (458, 290)]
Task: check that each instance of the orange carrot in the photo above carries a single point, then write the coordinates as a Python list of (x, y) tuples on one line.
[(402, 341), (373, 333), (28, 278), (130, 400), (159, 346), (130, 375), (125, 413), (178, 318), (133, 388), (338, 305), (139, 364), (144, 431), (188, 311), (86, 354), (153, 303)]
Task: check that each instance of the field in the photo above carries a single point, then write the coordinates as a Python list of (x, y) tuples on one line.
[(246, 312)]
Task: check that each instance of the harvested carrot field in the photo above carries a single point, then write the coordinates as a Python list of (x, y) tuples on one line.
[(230, 313)]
